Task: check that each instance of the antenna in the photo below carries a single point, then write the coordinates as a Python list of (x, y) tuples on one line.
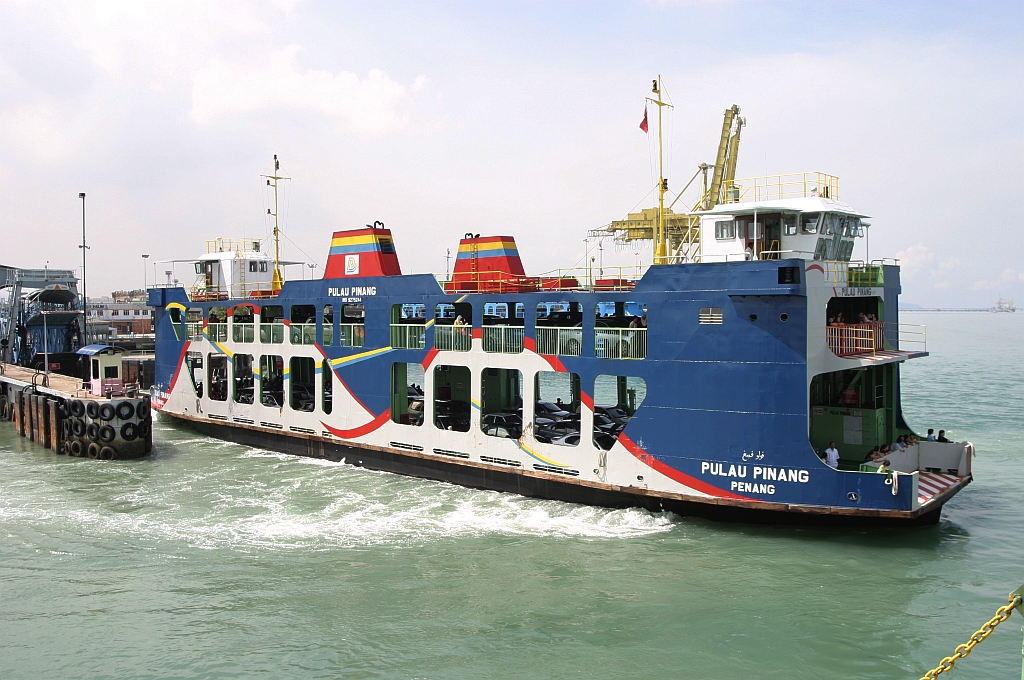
[(660, 233), (272, 181)]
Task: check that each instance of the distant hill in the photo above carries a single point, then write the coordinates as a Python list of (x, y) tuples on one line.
[(910, 305)]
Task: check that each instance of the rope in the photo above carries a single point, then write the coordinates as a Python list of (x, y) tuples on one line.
[(962, 651)]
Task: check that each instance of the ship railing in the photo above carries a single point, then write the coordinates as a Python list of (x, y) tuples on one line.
[(855, 338), (453, 338), (302, 333), (228, 245), (865, 275), (554, 341), (272, 333), (777, 187), (907, 337), (620, 343), (243, 332), (407, 336), (200, 292), (349, 335), (502, 339), (194, 330), (567, 279)]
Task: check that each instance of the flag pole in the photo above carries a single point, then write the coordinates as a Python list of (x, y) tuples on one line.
[(660, 233)]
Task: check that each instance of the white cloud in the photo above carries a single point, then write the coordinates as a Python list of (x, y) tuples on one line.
[(369, 107), (37, 131), (914, 258), (1008, 277), (950, 263)]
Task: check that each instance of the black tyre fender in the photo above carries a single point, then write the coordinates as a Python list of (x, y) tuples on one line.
[(76, 447), (107, 434), (94, 450), (92, 431), (62, 408), (107, 412), (107, 453), (78, 427), (77, 408), (129, 431), (144, 428), (142, 410), (125, 410), (92, 409)]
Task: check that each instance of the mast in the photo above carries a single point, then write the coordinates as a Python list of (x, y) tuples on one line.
[(660, 233), (278, 281)]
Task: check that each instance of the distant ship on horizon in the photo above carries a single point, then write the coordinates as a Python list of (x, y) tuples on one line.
[(1004, 306)]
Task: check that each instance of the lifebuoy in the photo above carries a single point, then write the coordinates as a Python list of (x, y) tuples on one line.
[(78, 427), (77, 408), (125, 410), (107, 434), (144, 428), (142, 410), (94, 450), (107, 453), (92, 431), (129, 431), (92, 409), (107, 411), (76, 447)]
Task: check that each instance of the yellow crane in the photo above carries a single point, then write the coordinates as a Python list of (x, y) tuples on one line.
[(676, 236)]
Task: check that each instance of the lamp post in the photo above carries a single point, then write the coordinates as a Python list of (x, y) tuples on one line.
[(144, 286), (85, 296)]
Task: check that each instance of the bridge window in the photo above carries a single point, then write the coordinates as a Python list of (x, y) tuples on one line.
[(272, 381), (725, 229), (789, 224), (503, 332), (501, 402), (710, 315), (327, 324), (218, 374), (556, 413), (302, 372), (327, 378), (272, 324), (303, 325), (620, 330), (217, 324), (559, 328), (407, 393), (242, 326), (244, 385), (453, 327), (352, 328), (452, 398), (408, 325), (194, 324), (809, 223), (176, 318), (616, 400)]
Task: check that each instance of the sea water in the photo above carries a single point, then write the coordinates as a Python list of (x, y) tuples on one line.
[(214, 560)]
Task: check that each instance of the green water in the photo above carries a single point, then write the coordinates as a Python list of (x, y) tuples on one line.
[(216, 561)]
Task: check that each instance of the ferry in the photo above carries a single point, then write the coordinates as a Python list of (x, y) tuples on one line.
[(709, 383)]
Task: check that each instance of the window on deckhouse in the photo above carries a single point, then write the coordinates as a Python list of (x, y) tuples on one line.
[(352, 326), (620, 330), (218, 374), (616, 400), (503, 331), (453, 326), (272, 324), (327, 326), (556, 414), (559, 328), (452, 398), (408, 325), (244, 384), (303, 325), (407, 393), (242, 324), (272, 380), (302, 379), (217, 324)]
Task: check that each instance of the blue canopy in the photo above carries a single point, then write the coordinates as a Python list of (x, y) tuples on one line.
[(96, 349)]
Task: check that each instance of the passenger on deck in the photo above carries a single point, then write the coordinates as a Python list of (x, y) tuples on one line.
[(832, 455), (942, 437), (459, 321), (897, 445), (931, 435), (863, 317)]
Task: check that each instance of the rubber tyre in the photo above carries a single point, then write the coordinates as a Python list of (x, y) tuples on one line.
[(125, 410), (76, 448), (92, 409), (93, 451), (144, 428), (77, 408), (107, 412), (107, 434), (62, 408), (78, 427), (129, 431), (107, 453), (142, 410), (66, 449), (92, 431)]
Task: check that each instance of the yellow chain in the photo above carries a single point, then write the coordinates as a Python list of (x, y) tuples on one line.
[(1002, 614)]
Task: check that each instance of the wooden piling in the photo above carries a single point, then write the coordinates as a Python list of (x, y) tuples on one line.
[(19, 411), (44, 421), (56, 425)]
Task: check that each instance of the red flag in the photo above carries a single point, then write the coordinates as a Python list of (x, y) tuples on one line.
[(643, 123)]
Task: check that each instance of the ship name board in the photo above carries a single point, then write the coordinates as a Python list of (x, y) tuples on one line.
[(353, 292), (757, 472), (858, 292)]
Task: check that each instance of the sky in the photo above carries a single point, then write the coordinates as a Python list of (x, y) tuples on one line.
[(500, 118)]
